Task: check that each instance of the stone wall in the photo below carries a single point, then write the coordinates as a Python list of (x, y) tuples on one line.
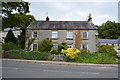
[(62, 34)]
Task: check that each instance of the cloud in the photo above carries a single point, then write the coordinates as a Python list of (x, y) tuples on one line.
[(75, 11)]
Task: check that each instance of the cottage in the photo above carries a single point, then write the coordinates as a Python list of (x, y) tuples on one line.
[(77, 34), (113, 42)]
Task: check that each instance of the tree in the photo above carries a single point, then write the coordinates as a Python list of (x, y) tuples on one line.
[(45, 45), (107, 49), (10, 37), (20, 20), (8, 8), (109, 30), (14, 15), (30, 42), (24, 21)]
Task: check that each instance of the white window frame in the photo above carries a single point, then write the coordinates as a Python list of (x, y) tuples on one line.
[(35, 35), (86, 37), (69, 34), (54, 34), (86, 46), (33, 46)]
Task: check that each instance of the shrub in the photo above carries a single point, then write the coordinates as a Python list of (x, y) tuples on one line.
[(97, 58), (30, 55), (36, 55), (45, 45), (54, 51), (8, 46), (84, 51), (61, 46), (71, 53), (29, 43), (107, 49), (10, 37)]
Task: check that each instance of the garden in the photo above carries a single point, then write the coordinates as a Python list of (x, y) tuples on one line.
[(13, 49), (105, 54)]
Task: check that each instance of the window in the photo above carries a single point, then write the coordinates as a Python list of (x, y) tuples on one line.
[(54, 34), (85, 35), (34, 34), (35, 46), (69, 35), (55, 45), (70, 46), (85, 46)]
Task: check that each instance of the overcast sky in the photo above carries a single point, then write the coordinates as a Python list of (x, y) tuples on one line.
[(75, 11)]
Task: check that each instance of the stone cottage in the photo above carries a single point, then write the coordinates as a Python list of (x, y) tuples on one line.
[(77, 34)]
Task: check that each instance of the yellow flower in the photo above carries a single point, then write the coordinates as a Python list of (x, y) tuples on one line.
[(71, 53)]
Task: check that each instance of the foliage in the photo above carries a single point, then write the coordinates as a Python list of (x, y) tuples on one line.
[(10, 37), (30, 55), (22, 21), (84, 51), (54, 51), (71, 53), (107, 49), (97, 58), (45, 45), (19, 20), (8, 8), (8, 46), (61, 46), (109, 30), (30, 42)]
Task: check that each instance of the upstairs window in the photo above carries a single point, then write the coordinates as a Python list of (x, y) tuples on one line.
[(54, 34), (84, 35), (69, 35), (34, 34)]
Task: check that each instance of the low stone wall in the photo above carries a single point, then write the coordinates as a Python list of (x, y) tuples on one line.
[(55, 57)]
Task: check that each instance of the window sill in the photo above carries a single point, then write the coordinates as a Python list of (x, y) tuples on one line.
[(69, 38), (85, 39), (54, 38)]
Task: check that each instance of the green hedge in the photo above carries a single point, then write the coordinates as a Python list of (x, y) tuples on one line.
[(97, 58), (30, 55)]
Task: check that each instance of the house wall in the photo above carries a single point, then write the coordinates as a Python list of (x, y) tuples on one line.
[(62, 34)]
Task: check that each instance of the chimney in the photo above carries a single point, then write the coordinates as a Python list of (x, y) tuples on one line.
[(47, 18), (89, 17)]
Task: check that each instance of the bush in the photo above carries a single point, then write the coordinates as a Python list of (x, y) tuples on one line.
[(30, 55), (10, 37), (8, 46), (61, 46), (45, 45), (97, 58), (54, 51), (71, 53), (107, 49), (84, 51)]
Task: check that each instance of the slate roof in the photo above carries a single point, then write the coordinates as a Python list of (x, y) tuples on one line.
[(111, 41), (62, 25)]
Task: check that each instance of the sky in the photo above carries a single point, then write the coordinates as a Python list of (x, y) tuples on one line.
[(101, 11)]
